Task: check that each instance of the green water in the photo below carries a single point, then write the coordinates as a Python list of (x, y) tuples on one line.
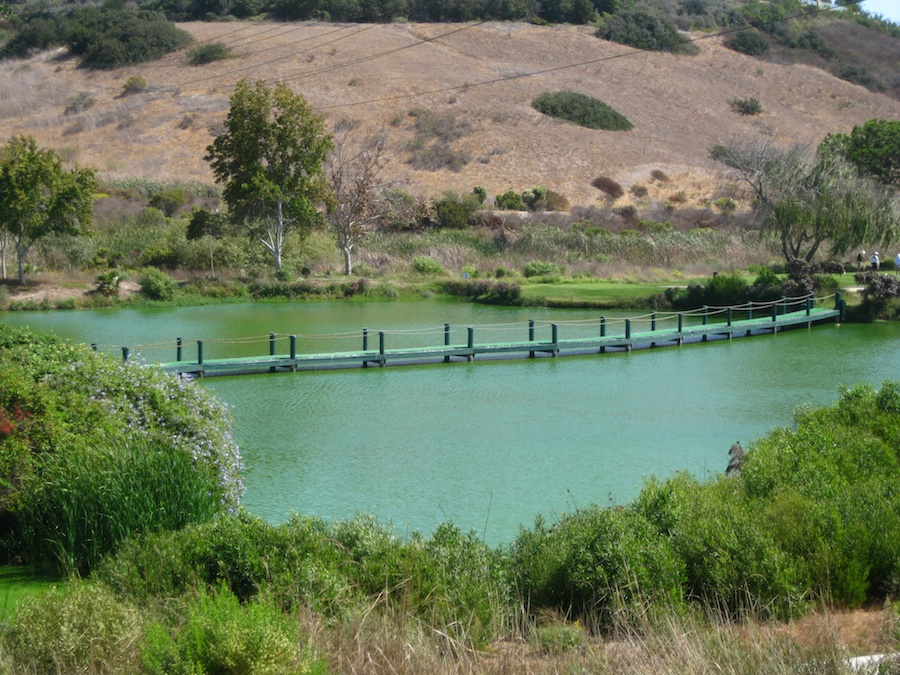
[(490, 445)]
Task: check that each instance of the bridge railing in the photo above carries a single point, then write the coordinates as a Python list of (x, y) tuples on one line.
[(538, 331)]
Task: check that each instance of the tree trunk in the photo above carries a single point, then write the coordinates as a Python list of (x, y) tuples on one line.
[(348, 262), (20, 255)]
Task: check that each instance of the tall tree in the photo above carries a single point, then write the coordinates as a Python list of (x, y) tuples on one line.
[(270, 160), (817, 204), (352, 171), (38, 197)]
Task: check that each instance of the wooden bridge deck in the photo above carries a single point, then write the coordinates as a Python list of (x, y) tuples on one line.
[(556, 346)]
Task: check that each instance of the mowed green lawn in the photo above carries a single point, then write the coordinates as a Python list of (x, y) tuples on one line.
[(605, 292), (597, 292), (17, 582)]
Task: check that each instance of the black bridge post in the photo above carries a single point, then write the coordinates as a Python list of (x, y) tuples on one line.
[(365, 339), (199, 352), (178, 344), (447, 341), (602, 332), (293, 347)]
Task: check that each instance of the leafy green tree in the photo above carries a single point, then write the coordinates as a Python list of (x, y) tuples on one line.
[(813, 204), (873, 147), (38, 197), (270, 160)]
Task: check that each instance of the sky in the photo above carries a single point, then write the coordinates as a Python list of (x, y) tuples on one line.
[(890, 9)]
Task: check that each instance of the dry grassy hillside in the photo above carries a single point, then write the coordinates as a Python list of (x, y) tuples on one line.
[(480, 75)]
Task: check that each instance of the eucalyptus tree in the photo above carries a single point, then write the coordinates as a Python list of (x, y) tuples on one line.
[(270, 162), (813, 204), (39, 197)]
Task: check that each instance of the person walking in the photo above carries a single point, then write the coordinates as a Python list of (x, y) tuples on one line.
[(860, 258), (876, 261), (897, 265)]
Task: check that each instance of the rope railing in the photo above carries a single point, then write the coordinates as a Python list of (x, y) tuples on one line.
[(534, 330)]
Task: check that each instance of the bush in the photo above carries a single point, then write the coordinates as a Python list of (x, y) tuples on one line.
[(134, 85), (79, 628), (643, 29), (537, 268), (111, 38), (608, 186), (157, 285), (207, 53), (425, 265), (95, 450), (108, 282), (746, 106), (858, 75), (509, 201), (219, 635), (748, 42), (597, 563), (582, 110), (169, 200)]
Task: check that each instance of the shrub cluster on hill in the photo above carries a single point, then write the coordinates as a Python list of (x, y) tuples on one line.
[(643, 29), (581, 109), (102, 37)]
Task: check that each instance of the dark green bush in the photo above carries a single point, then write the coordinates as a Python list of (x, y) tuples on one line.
[(207, 53), (509, 201), (748, 42), (595, 563), (580, 109), (453, 214), (111, 38), (643, 29), (746, 106), (858, 75), (812, 41), (720, 290), (500, 293)]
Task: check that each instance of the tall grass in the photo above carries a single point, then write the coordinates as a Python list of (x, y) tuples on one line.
[(90, 500)]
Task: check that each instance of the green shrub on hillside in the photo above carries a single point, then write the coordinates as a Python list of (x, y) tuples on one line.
[(539, 268), (858, 75), (643, 29), (748, 42), (111, 38), (425, 265), (207, 53), (746, 106), (582, 110)]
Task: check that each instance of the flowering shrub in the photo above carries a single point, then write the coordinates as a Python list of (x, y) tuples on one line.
[(72, 418)]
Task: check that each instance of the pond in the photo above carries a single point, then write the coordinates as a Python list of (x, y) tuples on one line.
[(489, 445)]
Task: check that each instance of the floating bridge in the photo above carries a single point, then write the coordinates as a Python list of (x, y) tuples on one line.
[(280, 352)]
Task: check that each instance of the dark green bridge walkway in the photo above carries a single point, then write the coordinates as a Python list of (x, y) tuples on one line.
[(565, 338)]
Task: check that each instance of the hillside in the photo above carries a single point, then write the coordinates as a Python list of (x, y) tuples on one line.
[(376, 74)]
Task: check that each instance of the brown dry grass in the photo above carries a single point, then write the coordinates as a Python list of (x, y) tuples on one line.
[(679, 105), (821, 642)]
